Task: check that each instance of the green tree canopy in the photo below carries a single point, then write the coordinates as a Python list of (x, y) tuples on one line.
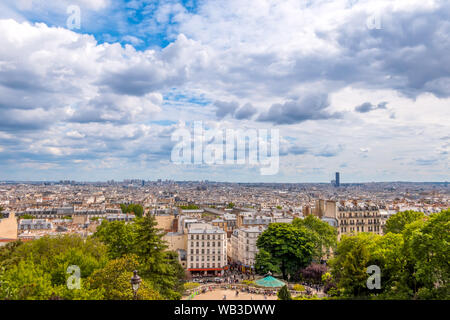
[(326, 235), (284, 293), (137, 209), (291, 248), (397, 222), (263, 263), (114, 280), (119, 236), (414, 262), (38, 269)]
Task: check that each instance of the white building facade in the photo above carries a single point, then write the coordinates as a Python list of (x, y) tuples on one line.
[(206, 250)]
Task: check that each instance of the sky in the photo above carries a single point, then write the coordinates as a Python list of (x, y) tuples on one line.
[(360, 87)]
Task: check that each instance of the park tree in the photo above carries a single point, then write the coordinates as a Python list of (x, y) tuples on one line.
[(25, 281), (349, 266), (429, 248), (264, 263), (119, 237), (136, 209), (290, 247), (398, 221), (160, 266), (284, 293), (326, 235), (313, 273), (230, 205), (47, 260), (114, 280)]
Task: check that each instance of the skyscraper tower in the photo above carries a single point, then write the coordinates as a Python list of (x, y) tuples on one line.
[(338, 182)]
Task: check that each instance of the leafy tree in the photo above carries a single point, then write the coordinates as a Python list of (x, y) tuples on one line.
[(114, 281), (263, 263), (27, 216), (189, 207), (313, 273), (326, 235), (25, 281), (291, 248), (230, 205), (137, 209), (119, 237), (84, 293), (284, 293), (430, 253), (47, 260), (350, 263), (160, 266), (398, 221)]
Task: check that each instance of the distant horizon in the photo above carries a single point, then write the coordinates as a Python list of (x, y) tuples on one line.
[(199, 181)]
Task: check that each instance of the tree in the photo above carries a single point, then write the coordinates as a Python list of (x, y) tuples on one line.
[(291, 248), (284, 293), (326, 235), (313, 273), (397, 222), (25, 281), (161, 267), (430, 253), (119, 237), (264, 263), (27, 216), (47, 260), (350, 263), (230, 205), (114, 280), (137, 209)]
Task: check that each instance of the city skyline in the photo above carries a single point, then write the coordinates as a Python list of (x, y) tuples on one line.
[(93, 90)]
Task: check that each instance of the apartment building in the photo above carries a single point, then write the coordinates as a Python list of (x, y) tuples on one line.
[(349, 217), (8, 228), (244, 249), (206, 250), (35, 224), (226, 223), (251, 219), (359, 218)]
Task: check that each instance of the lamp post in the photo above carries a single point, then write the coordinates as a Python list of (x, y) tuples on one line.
[(135, 283)]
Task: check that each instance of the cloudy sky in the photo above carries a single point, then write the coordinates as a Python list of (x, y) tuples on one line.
[(356, 86)]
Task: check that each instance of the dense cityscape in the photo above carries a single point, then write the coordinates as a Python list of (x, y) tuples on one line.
[(195, 216)]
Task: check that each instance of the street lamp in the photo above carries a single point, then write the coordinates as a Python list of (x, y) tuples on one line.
[(135, 283)]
